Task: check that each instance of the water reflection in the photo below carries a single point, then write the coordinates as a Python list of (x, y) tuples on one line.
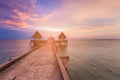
[(12, 48), (94, 60)]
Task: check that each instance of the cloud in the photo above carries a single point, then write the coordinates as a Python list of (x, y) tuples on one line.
[(13, 23), (85, 17), (81, 13), (16, 12)]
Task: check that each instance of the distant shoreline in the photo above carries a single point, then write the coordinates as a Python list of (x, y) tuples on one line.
[(45, 39)]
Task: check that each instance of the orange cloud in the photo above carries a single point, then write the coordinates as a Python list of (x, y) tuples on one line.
[(43, 20), (21, 15), (19, 24)]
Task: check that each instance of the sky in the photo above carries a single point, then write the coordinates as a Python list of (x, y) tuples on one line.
[(78, 19)]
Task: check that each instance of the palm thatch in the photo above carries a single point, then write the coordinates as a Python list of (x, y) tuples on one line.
[(37, 35), (62, 36)]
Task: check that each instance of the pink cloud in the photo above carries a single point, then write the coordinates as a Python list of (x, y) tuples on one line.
[(76, 17), (20, 24)]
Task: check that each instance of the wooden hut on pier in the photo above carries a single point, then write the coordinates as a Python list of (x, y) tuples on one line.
[(63, 39), (36, 39)]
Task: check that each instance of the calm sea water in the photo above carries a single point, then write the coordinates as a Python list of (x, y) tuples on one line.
[(12, 48), (89, 59), (94, 60)]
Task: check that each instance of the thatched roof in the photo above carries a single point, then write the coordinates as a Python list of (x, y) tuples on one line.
[(62, 36), (36, 35)]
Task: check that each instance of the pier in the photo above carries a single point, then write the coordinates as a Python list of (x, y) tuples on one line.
[(43, 62)]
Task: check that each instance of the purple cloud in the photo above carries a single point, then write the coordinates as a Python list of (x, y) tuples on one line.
[(13, 12)]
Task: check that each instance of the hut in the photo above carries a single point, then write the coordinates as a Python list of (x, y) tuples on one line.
[(36, 39), (63, 39)]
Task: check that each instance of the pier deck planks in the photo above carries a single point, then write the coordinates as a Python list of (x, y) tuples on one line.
[(39, 65)]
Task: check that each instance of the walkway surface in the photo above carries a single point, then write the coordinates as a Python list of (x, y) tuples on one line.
[(39, 65)]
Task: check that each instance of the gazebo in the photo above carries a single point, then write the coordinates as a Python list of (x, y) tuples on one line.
[(36, 38), (63, 39)]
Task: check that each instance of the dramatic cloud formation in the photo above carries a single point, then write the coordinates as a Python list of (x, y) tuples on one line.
[(81, 18)]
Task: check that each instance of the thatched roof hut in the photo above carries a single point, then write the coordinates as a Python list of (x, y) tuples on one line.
[(36, 35), (62, 36)]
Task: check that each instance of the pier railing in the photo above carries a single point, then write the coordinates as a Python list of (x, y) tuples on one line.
[(62, 67), (13, 60)]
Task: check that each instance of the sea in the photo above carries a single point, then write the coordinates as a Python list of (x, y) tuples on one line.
[(89, 59), (12, 48)]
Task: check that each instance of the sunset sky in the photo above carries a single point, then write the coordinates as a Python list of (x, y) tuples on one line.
[(78, 19)]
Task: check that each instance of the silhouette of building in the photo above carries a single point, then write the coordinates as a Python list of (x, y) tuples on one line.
[(63, 39), (62, 36), (36, 38)]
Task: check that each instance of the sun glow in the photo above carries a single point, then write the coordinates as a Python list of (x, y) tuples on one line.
[(48, 29), (54, 29)]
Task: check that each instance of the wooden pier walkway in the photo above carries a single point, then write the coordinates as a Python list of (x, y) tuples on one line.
[(42, 64)]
